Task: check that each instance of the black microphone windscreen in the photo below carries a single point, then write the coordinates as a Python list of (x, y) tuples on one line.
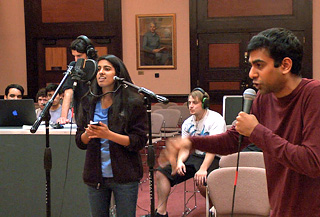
[(80, 63), (73, 63), (90, 70)]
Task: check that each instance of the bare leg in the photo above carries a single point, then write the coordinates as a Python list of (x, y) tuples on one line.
[(163, 191), (202, 190)]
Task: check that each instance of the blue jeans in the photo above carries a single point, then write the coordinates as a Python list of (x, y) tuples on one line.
[(126, 196)]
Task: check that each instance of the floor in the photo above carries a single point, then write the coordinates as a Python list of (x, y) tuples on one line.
[(176, 198)]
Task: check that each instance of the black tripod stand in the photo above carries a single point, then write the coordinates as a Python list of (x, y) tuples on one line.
[(45, 115), (148, 95)]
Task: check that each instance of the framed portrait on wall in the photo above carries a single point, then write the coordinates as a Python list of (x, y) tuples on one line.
[(156, 41)]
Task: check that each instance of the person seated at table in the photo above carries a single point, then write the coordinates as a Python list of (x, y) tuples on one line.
[(55, 110), (41, 98), (13, 91)]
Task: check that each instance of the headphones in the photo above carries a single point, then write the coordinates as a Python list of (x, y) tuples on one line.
[(90, 49), (205, 100)]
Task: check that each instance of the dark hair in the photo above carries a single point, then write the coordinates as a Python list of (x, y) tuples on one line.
[(280, 43), (123, 98), (81, 45), (41, 93), (17, 86), (52, 87)]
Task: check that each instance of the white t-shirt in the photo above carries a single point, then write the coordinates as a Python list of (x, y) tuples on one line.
[(57, 113), (212, 123)]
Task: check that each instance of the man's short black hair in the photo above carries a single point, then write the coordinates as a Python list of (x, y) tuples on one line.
[(81, 46), (41, 93), (280, 43), (17, 86), (52, 87)]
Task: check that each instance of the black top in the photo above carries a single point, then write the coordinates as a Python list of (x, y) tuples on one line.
[(78, 92), (125, 161)]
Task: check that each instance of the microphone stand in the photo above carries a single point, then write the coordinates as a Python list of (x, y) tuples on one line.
[(148, 95), (236, 175), (45, 115)]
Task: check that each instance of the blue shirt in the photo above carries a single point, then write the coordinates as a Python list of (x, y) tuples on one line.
[(102, 115)]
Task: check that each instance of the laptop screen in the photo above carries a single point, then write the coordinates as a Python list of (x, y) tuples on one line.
[(232, 105), (17, 112)]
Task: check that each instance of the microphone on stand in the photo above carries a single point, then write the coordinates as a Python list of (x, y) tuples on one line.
[(84, 70), (70, 67), (162, 99), (116, 78), (71, 64), (248, 96), (77, 71)]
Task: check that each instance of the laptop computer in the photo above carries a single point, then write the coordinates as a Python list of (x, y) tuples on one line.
[(17, 112), (232, 105)]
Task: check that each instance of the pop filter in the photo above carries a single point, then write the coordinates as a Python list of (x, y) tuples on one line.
[(90, 70), (84, 70)]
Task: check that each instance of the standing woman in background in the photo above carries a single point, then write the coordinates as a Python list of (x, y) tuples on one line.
[(113, 162)]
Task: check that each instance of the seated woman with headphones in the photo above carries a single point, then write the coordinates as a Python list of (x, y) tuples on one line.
[(202, 121)]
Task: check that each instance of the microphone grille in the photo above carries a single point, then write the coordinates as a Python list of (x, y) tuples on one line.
[(249, 94), (73, 63)]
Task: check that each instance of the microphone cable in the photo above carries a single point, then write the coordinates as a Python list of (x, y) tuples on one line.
[(249, 95), (67, 165), (236, 177), (101, 95)]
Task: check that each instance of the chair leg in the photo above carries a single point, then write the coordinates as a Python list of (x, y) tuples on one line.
[(112, 209), (212, 212), (207, 203), (187, 210)]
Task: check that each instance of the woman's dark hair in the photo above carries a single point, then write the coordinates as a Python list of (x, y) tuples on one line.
[(123, 97), (280, 43)]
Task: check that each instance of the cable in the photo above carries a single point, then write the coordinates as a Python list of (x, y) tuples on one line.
[(114, 91), (67, 167), (236, 178)]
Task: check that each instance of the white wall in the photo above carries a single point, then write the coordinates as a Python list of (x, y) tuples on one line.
[(13, 53), (13, 67), (170, 81)]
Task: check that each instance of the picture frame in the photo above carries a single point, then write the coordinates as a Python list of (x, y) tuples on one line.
[(156, 41)]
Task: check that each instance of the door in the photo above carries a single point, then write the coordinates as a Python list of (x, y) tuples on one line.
[(220, 31), (222, 68)]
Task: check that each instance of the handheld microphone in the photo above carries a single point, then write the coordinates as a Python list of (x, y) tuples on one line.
[(248, 96)]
